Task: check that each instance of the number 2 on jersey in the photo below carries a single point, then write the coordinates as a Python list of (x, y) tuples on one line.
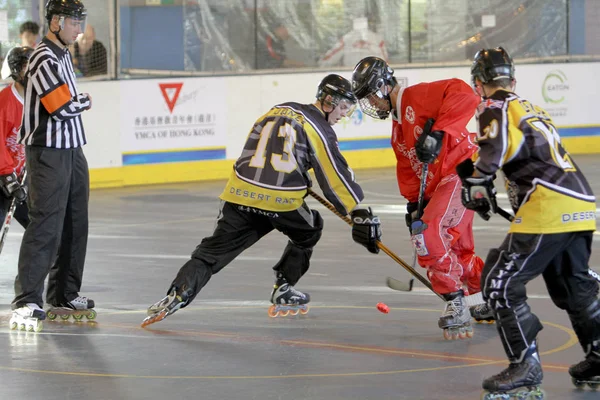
[(551, 135), (278, 161)]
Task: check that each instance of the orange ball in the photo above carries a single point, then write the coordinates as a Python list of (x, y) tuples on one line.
[(383, 308)]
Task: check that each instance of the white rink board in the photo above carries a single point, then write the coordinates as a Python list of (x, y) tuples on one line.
[(238, 101)]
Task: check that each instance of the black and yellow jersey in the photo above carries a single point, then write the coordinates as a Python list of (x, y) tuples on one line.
[(547, 191), (283, 145)]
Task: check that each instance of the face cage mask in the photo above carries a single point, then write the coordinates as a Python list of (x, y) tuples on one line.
[(373, 111)]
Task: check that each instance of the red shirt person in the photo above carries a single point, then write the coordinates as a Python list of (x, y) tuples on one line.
[(444, 242)]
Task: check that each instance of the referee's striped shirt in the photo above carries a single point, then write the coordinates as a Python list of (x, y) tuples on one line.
[(51, 105)]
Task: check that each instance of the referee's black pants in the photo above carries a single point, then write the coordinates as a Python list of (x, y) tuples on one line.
[(59, 185)]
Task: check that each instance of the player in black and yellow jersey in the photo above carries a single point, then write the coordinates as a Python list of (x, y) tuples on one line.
[(266, 192), (551, 234)]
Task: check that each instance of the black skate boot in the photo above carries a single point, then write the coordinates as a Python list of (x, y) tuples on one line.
[(166, 306), (587, 372), (482, 313), (456, 320), (287, 300), (27, 318), (521, 380), (79, 307)]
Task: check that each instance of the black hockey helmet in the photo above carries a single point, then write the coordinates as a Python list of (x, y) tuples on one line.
[(16, 60), (69, 8), (370, 76), (340, 92), (492, 64), (338, 87)]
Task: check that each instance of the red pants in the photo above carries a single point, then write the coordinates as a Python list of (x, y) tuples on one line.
[(446, 247)]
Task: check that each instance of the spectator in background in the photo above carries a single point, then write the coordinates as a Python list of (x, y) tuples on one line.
[(272, 53), (355, 45), (29, 33), (89, 55)]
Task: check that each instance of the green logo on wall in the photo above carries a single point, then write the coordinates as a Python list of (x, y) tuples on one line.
[(555, 87)]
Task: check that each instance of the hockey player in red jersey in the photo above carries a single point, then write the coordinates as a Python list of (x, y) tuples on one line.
[(441, 232), (12, 154)]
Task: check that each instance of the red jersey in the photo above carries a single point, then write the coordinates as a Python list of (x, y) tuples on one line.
[(452, 103), (12, 154)]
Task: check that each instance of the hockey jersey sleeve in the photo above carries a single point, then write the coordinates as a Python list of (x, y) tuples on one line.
[(55, 94), (408, 183), (457, 107), (6, 159), (498, 139), (336, 179)]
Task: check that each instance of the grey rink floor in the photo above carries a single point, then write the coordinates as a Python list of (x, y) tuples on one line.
[(224, 346)]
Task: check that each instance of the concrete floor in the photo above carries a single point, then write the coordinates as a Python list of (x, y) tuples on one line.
[(224, 346)]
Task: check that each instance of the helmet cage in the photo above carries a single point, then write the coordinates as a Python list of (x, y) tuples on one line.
[(374, 105)]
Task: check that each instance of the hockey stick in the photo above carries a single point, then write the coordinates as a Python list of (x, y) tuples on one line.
[(510, 218), (380, 245), (8, 218), (392, 283), (395, 284)]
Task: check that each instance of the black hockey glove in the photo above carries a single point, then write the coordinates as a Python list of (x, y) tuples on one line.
[(11, 188), (479, 195), (366, 228), (415, 225), (429, 145)]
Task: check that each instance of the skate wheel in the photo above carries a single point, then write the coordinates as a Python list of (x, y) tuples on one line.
[(13, 325), (284, 313), (447, 334), (64, 317), (78, 317), (39, 326), (294, 312), (304, 311), (92, 314), (594, 385), (22, 327), (469, 334), (51, 316), (272, 311), (156, 318), (578, 384)]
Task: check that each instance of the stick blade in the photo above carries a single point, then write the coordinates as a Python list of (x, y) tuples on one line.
[(401, 286)]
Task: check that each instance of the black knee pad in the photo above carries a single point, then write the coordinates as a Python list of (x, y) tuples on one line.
[(586, 323), (513, 324)]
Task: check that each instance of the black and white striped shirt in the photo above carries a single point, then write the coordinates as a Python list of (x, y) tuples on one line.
[(52, 107)]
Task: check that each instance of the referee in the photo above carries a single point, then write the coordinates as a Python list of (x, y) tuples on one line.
[(57, 171)]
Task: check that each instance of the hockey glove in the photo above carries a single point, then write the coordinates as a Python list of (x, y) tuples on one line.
[(415, 225), (11, 188), (428, 146), (479, 195), (366, 229)]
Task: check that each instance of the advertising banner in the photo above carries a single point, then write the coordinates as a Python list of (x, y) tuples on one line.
[(184, 117)]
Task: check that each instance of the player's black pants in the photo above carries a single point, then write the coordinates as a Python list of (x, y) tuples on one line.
[(562, 259), (58, 210), (22, 217), (238, 228)]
